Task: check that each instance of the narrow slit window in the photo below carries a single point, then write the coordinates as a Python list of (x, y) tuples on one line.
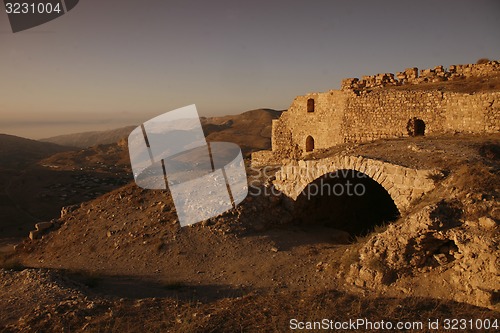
[(310, 105)]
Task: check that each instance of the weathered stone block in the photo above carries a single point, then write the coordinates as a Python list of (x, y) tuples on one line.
[(43, 226), (398, 179), (35, 234), (487, 223)]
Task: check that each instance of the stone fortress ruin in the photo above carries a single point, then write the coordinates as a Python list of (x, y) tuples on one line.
[(386, 106), (436, 235)]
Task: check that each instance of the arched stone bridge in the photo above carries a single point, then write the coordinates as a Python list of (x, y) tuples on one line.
[(403, 184)]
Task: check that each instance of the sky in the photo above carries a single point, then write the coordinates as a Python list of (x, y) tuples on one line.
[(112, 63)]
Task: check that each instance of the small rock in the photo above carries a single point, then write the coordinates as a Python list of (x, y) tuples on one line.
[(68, 209), (320, 266), (43, 226), (274, 249), (487, 222), (35, 234), (441, 259)]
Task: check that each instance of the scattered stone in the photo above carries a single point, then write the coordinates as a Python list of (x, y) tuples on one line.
[(320, 266), (68, 209), (425, 239)]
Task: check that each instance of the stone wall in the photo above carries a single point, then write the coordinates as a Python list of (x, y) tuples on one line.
[(385, 113), (295, 125), (411, 76), (343, 117), (264, 157), (322, 120)]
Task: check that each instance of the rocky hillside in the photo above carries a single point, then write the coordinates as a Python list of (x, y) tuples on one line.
[(60, 176), (16, 156), (17, 153), (112, 253)]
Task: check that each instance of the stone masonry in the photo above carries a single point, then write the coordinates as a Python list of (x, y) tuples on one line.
[(363, 111), (404, 185), (411, 76)]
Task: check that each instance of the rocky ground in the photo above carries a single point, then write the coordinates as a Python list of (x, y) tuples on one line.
[(122, 263)]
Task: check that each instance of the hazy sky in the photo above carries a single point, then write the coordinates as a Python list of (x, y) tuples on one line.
[(111, 63)]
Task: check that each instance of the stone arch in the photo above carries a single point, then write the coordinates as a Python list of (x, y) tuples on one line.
[(310, 105), (379, 176), (415, 127), (348, 200), (403, 184), (309, 144)]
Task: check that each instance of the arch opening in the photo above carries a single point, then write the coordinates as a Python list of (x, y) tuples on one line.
[(346, 200), (415, 127), (309, 143)]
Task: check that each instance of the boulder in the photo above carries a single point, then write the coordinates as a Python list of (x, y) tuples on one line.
[(43, 226), (35, 234)]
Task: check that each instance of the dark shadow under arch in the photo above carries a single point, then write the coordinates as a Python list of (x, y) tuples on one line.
[(328, 202)]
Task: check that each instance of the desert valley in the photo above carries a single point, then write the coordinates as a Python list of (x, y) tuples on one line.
[(83, 248)]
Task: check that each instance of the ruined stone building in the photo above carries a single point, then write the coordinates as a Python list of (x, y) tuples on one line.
[(385, 106)]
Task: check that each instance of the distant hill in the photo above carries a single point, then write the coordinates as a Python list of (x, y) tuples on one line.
[(17, 152), (88, 139), (98, 158), (251, 130)]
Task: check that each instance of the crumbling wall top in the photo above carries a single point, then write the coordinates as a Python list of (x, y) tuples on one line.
[(412, 76)]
